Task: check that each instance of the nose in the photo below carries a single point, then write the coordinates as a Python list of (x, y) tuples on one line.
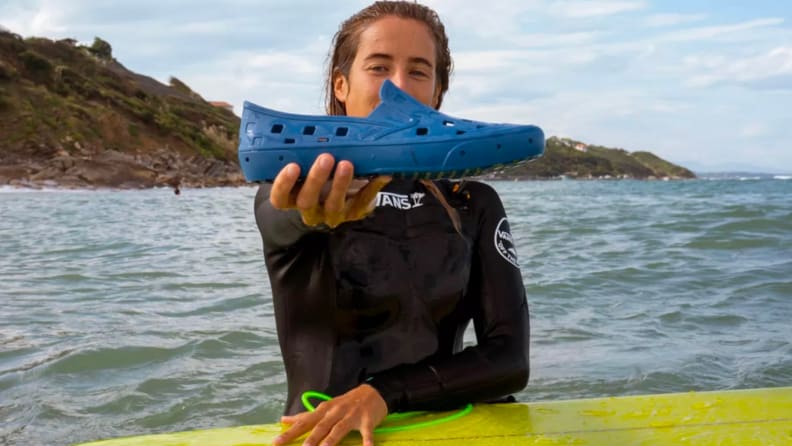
[(401, 79)]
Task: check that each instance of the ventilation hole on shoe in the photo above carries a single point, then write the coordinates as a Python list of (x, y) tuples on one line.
[(421, 131), (277, 128), (309, 130), (530, 140), (480, 126), (288, 141), (461, 153), (342, 131), (498, 147), (460, 132), (322, 139), (280, 158), (247, 160), (448, 123)]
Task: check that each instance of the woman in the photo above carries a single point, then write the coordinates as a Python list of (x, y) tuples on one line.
[(371, 306)]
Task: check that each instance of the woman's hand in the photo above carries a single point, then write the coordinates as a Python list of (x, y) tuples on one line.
[(361, 409), (320, 200)]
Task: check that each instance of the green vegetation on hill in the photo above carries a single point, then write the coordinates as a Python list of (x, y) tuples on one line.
[(573, 159), (59, 98)]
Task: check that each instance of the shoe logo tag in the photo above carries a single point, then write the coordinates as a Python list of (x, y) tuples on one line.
[(417, 199), (399, 201), (504, 243)]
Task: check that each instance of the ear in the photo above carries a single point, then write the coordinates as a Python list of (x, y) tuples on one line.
[(340, 87), (436, 96)]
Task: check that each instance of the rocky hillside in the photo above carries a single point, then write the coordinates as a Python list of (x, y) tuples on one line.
[(566, 158), (73, 116)]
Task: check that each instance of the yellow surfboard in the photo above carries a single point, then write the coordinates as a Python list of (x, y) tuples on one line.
[(737, 417)]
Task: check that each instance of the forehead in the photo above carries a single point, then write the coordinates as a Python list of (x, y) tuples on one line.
[(397, 37)]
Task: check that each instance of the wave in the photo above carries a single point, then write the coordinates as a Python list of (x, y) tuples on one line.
[(743, 176), (5, 189), (15, 189)]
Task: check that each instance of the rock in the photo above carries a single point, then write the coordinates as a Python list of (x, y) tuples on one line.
[(114, 156), (63, 163), (13, 172), (116, 169), (48, 173), (119, 174), (215, 169)]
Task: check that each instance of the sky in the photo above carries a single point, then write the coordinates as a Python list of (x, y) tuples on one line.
[(705, 84)]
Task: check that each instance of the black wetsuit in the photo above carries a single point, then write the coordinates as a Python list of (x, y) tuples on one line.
[(385, 300)]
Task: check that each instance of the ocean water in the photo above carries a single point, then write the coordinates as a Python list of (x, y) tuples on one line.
[(133, 312)]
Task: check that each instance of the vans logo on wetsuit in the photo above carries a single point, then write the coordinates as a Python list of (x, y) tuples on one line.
[(399, 201), (504, 243)]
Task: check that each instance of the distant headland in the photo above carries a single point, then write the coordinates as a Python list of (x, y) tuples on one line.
[(72, 116), (565, 158)]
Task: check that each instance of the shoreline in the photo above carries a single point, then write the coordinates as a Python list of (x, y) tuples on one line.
[(54, 186), (5, 188), (113, 169)]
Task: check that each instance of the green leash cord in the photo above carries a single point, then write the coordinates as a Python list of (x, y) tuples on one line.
[(306, 396)]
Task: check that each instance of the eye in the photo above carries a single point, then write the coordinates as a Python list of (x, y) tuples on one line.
[(419, 73), (378, 68)]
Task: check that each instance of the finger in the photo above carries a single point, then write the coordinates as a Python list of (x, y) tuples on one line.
[(337, 433), (280, 194), (313, 216), (323, 428), (316, 179), (367, 431), (335, 207), (341, 182), (302, 424), (369, 192), (363, 203)]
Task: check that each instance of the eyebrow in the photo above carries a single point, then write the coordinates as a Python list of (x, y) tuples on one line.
[(419, 60)]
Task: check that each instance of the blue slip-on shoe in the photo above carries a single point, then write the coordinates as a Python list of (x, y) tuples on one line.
[(401, 137)]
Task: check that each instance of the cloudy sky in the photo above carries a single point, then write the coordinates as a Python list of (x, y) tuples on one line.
[(707, 84)]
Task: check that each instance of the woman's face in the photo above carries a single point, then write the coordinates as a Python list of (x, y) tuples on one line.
[(401, 50)]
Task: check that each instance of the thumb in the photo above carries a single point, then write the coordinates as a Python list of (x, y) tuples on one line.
[(363, 202)]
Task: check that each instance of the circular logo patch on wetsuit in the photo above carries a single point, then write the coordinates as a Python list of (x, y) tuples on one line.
[(504, 242)]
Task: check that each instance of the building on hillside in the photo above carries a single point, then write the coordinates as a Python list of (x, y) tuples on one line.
[(581, 147), (223, 104)]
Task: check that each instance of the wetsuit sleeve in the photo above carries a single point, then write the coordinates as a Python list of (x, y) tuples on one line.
[(498, 364), (279, 228)]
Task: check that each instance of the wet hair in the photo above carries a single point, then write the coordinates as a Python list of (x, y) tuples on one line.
[(347, 40)]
